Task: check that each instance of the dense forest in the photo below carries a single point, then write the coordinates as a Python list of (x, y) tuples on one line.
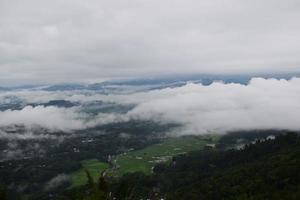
[(29, 175), (266, 169)]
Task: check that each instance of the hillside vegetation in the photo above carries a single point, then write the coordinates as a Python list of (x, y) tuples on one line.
[(265, 170)]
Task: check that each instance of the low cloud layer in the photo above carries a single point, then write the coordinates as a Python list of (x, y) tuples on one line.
[(216, 108), (48, 117), (55, 119)]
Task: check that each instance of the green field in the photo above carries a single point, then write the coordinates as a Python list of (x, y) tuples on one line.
[(145, 159), (94, 166)]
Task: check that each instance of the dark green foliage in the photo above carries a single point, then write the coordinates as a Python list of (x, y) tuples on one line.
[(92, 191), (265, 170), (3, 193), (135, 186), (29, 176), (91, 183), (268, 169), (231, 139), (6, 194)]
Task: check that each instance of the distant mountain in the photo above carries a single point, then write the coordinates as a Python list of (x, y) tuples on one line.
[(56, 103), (65, 87), (3, 89), (11, 102), (160, 82), (11, 106)]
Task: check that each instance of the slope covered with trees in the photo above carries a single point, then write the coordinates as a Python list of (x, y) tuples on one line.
[(265, 170)]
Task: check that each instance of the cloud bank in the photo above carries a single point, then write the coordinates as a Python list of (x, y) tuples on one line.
[(216, 108), (47, 117), (54, 119), (219, 107)]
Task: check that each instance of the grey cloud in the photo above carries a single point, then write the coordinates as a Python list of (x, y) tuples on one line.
[(74, 41), (17, 150), (28, 135)]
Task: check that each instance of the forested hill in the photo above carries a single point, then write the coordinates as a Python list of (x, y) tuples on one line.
[(265, 170)]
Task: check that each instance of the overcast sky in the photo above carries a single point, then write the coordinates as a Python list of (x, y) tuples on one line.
[(94, 40)]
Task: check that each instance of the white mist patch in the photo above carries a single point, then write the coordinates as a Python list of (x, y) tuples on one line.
[(48, 117), (57, 181), (54, 119)]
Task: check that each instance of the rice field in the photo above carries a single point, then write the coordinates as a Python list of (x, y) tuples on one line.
[(143, 160)]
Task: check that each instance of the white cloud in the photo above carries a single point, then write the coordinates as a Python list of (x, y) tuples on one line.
[(54, 119), (28, 135), (219, 107), (48, 117)]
